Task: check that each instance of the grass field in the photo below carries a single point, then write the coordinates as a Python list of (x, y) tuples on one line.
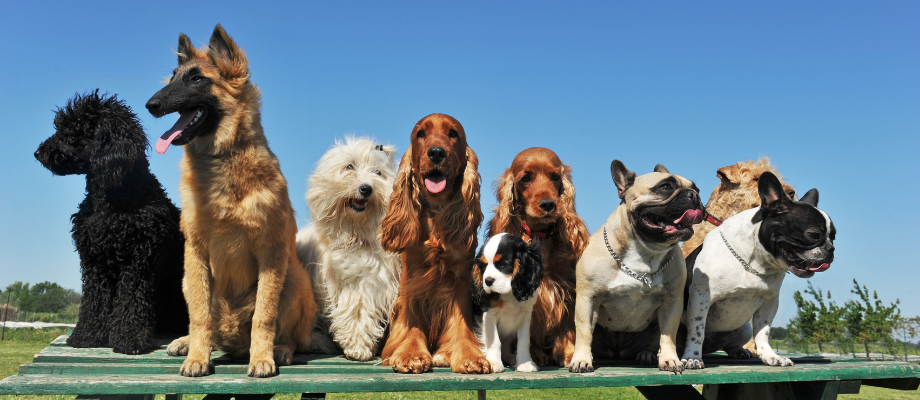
[(21, 346)]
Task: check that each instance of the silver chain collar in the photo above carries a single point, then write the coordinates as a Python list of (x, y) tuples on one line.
[(741, 260), (643, 277)]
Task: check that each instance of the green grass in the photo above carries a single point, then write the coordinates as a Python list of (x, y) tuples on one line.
[(19, 347)]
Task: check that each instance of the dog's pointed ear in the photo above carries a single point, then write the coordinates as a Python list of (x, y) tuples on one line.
[(811, 197), (622, 177), (661, 168), (772, 198), (185, 51), (400, 227), (227, 56), (529, 272), (728, 174), (119, 144), (504, 210)]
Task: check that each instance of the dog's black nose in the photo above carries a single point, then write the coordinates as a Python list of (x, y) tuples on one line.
[(37, 155), (547, 205), (489, 281), (437, 154), (365, 191), (153, 105)]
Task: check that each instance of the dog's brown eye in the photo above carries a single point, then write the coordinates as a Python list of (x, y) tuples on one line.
[(420, 134), (814, 235), (349, 167), (196, 78), (526, 179), (554, 177), (453, 134), (665, 186), (378, 173), (790, 193)]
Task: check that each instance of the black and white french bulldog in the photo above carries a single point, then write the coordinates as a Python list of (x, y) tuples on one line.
[(738, 271), (505, 280), (630, 278)]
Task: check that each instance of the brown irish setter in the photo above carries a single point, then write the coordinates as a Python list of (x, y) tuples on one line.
[(536, 198), (432, 220)]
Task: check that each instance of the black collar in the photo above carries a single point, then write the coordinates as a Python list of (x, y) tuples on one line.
[(433, 207)]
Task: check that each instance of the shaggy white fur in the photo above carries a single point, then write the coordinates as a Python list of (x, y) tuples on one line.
[(354, 278)]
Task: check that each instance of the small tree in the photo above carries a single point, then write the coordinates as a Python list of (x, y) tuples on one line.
[(869, 320), (907, 328), (817, 321)]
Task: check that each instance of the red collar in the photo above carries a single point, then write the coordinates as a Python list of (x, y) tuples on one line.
[(541, 235), (712, 220)]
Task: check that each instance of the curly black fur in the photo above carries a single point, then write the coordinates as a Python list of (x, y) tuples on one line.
[(126, 230)]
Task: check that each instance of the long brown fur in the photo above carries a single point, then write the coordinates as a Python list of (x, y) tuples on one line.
[(552, 324), (736, 192), (246, 291), (433, 311)]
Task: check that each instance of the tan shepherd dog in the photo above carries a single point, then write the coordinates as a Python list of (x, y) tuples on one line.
[(247, 293)]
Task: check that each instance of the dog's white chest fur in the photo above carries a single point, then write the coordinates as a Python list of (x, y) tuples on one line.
[(629, 304)]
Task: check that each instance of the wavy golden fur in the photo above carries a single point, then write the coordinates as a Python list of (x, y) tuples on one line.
[(537, 175), (246, 291), (434, 228), (736, 192)]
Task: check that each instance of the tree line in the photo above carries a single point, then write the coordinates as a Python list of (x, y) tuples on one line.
[(43, 297), (820, 320)]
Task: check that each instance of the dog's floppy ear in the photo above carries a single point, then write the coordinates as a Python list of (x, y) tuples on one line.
[(227, 56), (530, 271), (772, 198), (476, 283), (573, 228), (505, 209), (622, 177), (119, 144), (186, 51), (661, 168), (728, 174), (811, 197), (464, 215), (400, 226)]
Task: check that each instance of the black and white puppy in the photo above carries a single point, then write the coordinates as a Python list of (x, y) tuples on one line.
[(738, 272), (505, 279)]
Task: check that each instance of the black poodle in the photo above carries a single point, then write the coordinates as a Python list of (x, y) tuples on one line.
[(126, 229)]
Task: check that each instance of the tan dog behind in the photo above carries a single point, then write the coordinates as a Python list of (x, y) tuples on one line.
[(536, 197), (246, 291), (736, 192)]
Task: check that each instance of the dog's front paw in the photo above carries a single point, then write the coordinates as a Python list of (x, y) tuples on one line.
[(178, 347), (581, 365), (193, 368), (693, 363), (359, 354), (411, 364), (739, 353), (777, 361), (440, 360), (497, 364), (131, 347), (474, 365), (82, 342), (262, 368), (646, 357), (529, 366), (671, 365), (283, 355)]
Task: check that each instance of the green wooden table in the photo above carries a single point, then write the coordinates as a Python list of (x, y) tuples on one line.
[(102, 374)]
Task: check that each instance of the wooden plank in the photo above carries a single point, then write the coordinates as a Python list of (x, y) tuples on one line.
[(443, 379)]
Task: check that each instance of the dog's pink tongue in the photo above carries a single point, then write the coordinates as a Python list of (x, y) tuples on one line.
[(175, 131), (435, 185), (690, 218), (819, 268)]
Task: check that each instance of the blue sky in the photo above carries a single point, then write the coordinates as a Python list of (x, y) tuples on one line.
[(829, 90)]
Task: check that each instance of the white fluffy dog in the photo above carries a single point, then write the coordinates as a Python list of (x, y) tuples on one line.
[(354, 278)]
